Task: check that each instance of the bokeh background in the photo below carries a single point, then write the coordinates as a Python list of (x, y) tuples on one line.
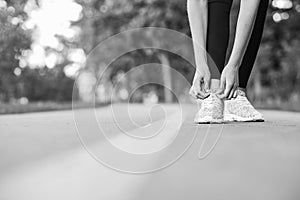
[(45, 43)]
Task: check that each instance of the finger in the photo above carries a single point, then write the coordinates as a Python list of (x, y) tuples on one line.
[(197, 84), (222, 86), (197, 94), (227, 91), (220, 92), (192, 93), (200, 94), (206, 84), (199, 91), (231, 93), (235, 94)]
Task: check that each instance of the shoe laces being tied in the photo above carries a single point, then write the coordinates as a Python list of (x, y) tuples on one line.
[(212, 106)]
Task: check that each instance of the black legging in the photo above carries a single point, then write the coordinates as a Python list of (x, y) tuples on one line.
[(218, 37)]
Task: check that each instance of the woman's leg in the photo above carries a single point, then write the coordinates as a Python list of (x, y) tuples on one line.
[(217, 36), (253, 45)]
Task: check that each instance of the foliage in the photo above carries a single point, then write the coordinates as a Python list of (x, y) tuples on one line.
[(276, 76), (17, 81), (278, 64), (13, 39)]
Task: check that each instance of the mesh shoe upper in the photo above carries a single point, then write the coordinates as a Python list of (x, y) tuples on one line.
[(241, 107), (211, 107)]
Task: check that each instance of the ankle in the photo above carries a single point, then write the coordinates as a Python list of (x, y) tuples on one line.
[(214, 85), (242, 89)]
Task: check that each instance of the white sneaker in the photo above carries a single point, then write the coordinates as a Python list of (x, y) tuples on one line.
[(211, 110), (241, 110)]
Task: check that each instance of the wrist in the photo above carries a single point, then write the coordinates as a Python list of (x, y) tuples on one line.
[(202, 67), (235, 60), (234, 64)]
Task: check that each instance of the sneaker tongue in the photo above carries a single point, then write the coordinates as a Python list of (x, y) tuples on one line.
[(212, 91), (241, 93)]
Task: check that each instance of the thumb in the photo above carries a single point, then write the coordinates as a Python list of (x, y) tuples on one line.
[(206, 84), (222, 85)]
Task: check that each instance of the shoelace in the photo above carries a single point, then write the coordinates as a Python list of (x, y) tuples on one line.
[(208, 102)]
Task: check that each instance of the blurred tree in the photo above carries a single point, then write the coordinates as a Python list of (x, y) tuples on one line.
[(13, 40), (277, 71), (102, 19), (276, 74), (17, 77), (44, 84)]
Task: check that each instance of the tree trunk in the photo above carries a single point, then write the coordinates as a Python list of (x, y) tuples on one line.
[(167, 79)]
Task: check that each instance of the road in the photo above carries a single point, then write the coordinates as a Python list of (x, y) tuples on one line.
[(42, 156)]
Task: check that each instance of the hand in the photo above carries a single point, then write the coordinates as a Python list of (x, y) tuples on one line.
[(229, 82), (201, 83)]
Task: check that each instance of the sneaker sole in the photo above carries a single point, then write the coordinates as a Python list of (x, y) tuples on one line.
[(208, 120), (236, 118)]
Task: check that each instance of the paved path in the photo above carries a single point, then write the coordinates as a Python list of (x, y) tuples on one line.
[(41, 157)]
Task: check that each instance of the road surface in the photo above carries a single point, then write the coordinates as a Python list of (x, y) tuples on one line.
[(41, 157)]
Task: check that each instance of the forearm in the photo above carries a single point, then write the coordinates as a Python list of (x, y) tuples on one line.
[(246, 19), (197, 12)]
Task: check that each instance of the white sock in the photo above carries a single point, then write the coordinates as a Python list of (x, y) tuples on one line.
[(214, 85)]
